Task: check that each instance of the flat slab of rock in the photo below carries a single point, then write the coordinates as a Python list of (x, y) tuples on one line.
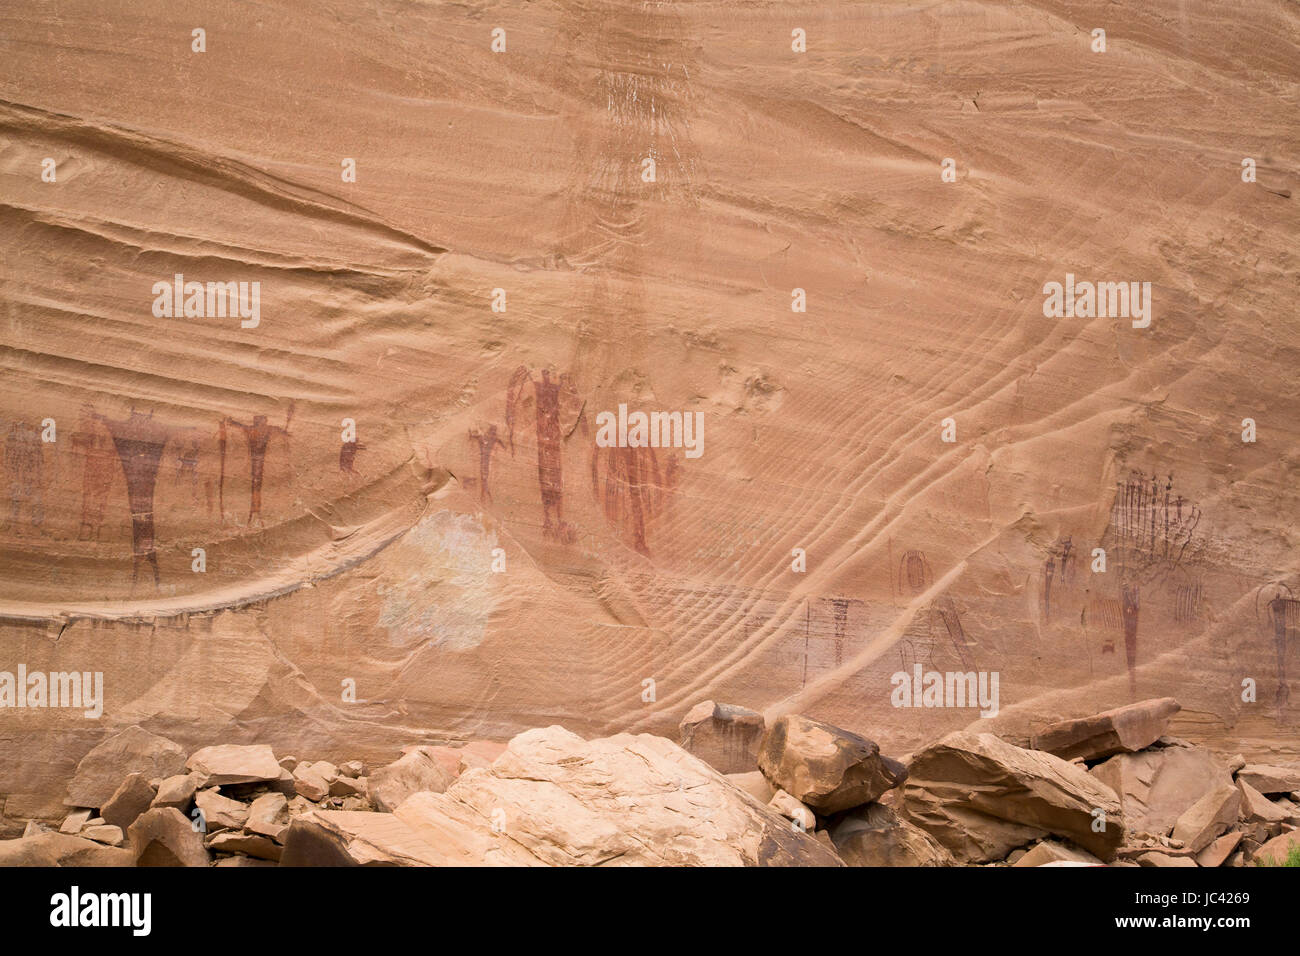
[(163, 837), (106, 834), (1156, 787), (982, 797), (1208, 818), (220, 813), (458, 835), (827, 768), (355, 838), (1122, 730), (724, 736), (75, 822), (1155, 858), (1266, 778), (234, 763), (134, 750), (874, 836)]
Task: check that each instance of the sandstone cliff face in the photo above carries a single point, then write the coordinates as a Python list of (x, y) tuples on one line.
[(351, 590)]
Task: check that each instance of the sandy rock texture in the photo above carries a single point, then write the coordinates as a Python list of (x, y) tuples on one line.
[(502, 270)]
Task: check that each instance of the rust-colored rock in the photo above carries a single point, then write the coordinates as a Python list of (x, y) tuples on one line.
[(825, 767), (982, 797), (163, 837), (1122, 730), (724, 736)]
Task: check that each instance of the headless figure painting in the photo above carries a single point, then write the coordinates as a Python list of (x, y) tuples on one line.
[(557, 405), (139, 441), (258, 435)]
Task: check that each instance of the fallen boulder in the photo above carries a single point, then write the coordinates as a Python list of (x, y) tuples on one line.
[(1257, 808), (1158, 786), (634, 800), (827, 768), (233, 764), (1220, 850), (176, 792), (130, 800), (982, 797), (163, 837), (1267, 778), (308, 782), (134, 750), (724, 736), (106, 834), (1122, 730), (1208, 818), (220, 813), (414, 772), (1155, 858), (269, 816)]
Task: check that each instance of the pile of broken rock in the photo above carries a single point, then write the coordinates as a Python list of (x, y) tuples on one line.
[(1108, 788)]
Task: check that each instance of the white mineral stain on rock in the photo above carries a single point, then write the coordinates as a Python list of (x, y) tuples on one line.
[(438, 588)]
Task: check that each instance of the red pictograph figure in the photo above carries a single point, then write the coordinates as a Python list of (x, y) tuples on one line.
[(97, 467), (946, 610), (631, 488), (1130, 603), (24, 464), (187, 467), (258, 436), (554, 399), (1279, 611), (487, 442), (139, 441), (348, 456), (914, 574)]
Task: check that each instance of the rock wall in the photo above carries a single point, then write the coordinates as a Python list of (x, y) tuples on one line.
[(502, 270)]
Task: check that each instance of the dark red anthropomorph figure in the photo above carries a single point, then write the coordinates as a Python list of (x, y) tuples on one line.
[(554, 399), (139, 441), (258, 435)]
